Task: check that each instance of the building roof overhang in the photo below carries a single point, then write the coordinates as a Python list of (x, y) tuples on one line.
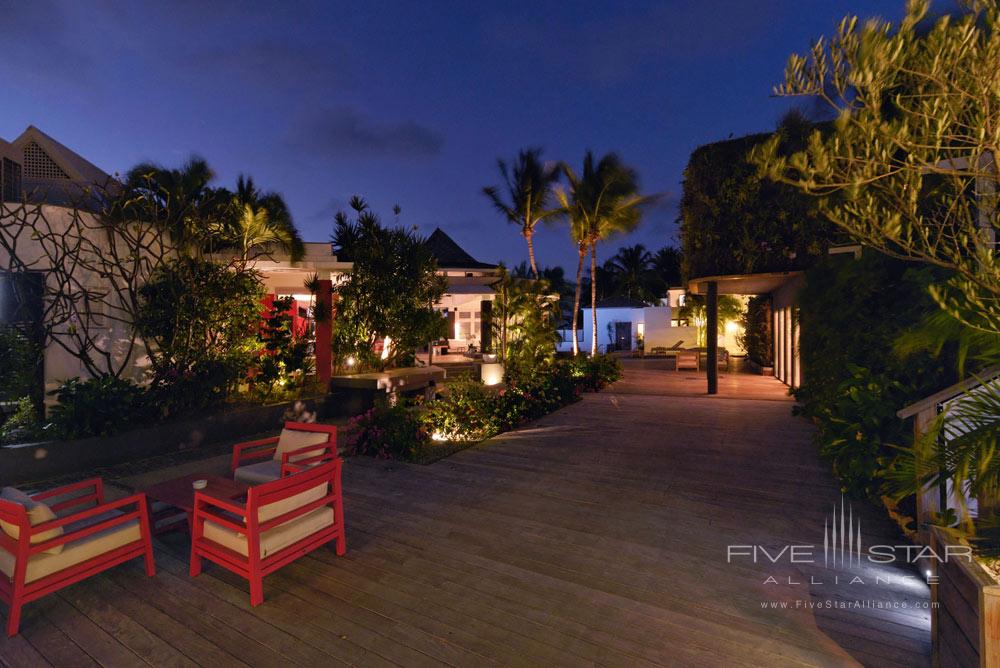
[(743, 284)]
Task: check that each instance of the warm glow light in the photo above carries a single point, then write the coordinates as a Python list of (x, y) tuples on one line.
[(438, 436), (351, 361), (458, 330), (732, 327), (491, 374), (386, 345), (640, 329)]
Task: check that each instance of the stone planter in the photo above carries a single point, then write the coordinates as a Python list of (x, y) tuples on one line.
[(965, 624), (35, 461)]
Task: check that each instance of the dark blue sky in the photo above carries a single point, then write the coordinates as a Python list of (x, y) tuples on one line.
[(407, 103)]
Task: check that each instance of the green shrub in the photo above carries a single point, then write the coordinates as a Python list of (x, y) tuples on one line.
[(595, 373), (387, 432), (22, 426), (852, 312), (97, 407), (19, 361), (468, 411), (756, 337)]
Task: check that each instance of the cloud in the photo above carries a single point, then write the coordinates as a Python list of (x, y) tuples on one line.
[(345, 131)]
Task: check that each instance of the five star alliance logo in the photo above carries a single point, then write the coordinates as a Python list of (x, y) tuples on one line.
[(841, 538)]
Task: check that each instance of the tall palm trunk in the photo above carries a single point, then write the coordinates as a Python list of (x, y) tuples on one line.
[(593, 296), (576, 299), (528, 234)]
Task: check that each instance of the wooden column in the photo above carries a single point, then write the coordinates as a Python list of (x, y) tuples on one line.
[(712, 336), (324, 332)]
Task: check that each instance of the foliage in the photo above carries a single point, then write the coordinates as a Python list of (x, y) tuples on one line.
[(631, 274), (19, 360), (736, 221), (468, 411), (525, 201), (730, 309), (851, 364), (756, 337), (203, 319), (859, 427), (97, 407), (601, 202), (525, 318), (284, 358), (917, 107), (22, 425), (595, 373), (389, 293), (387, 432)]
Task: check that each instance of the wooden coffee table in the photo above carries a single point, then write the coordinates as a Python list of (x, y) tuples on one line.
[(178, 494)]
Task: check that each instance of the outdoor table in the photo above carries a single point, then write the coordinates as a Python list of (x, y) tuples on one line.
[(178, 495)]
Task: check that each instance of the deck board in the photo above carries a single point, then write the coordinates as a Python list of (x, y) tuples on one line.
[(595, 536)]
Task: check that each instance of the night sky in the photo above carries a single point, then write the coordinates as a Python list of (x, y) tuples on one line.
[(407, 103)]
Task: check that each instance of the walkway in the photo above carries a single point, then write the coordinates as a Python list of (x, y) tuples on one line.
[(596, 536)]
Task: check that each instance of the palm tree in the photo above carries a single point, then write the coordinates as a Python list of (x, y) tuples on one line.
[(180, 199), (528, 190), (631, 271), (667, 268), (258, 220), (603, 201), (574, 209)]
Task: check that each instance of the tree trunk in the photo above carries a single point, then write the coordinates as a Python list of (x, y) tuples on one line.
[(576, 299), (528, 234), (593, 297)]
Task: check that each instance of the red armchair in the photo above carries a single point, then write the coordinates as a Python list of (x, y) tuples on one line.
[(44, 548), (299, 445), (281, 521)]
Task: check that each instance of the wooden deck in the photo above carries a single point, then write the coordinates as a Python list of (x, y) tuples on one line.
[(596, 536)]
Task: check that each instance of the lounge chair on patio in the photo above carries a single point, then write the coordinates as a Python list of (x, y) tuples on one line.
[(44, 548), (271, 458), (280, 522)]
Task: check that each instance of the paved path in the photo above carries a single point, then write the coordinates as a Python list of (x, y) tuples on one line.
[(595, 536)]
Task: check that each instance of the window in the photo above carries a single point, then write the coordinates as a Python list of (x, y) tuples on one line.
[(38, 164), (10, 175), (464, 315)]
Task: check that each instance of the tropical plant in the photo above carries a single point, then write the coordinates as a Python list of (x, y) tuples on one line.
[(909, 165), (22, 425), (527, 191), (387, 432), (667, 269), (19, 359), (284, 358), (202, 319), (525, 318), (386, 306), (631, 272), (730, 309), (97, 407), (756, 337), (258, 221), (602, 201)]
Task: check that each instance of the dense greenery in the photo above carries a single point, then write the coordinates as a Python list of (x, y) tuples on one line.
[(19, 360), (386, 303), (284, 359), (468, 411), (525, 318), (854, 312), (98, 407), (757, 337), (203, 319), (736, 221)]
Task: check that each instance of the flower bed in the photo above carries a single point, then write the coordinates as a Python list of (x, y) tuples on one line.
[(469, 412)]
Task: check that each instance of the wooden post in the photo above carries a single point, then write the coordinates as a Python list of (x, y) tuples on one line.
[(712, 336), (324, 332)]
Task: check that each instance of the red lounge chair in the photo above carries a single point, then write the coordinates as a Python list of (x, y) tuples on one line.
[(43, 548), (280, 522), (268, 459)]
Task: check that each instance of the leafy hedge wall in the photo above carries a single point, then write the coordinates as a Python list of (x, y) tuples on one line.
[(733, 221), (852, 314)]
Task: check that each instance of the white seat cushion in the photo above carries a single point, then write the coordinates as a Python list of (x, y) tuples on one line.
[(291, 440), (76, 551), (255, 474), (275, 539), (38, 513)]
